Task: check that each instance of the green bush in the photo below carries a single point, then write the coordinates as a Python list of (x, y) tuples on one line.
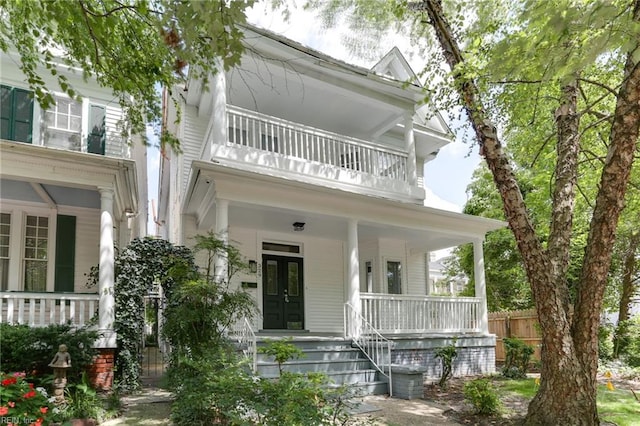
[(446, 354), (482, 395), (31, 349), (518, 355)]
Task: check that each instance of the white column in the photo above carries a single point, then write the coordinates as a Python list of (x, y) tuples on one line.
[(106, 313), (353, 269), (219, 112), (222, 232), (480, 284), (410, 145)]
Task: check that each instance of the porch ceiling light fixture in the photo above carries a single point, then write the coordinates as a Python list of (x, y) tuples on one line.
[(298, 226)]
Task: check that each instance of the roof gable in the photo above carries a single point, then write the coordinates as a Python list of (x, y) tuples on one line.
[(395, 66)]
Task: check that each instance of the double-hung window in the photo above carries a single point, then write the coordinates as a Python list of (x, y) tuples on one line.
[(35, 253), (5, 235), (63, 124)]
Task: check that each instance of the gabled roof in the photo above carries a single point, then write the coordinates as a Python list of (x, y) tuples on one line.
[(394, 65)]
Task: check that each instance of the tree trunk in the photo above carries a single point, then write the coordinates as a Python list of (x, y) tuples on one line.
[(567, 393)]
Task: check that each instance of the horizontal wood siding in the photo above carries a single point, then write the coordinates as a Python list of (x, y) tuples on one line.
[(194, 129), (114, 146), (324, 285), (416, 274)]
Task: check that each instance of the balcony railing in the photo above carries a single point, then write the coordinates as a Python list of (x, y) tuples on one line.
[(294, 140), (42, 309), (398, 314)]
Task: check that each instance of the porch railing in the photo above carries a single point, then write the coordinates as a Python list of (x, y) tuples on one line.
[(42, 309), (242, 333), (397, 314), (266, 133), (373, 344)]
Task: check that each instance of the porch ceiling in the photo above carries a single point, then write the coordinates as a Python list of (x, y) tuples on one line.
[(273, 204), (24, 191)]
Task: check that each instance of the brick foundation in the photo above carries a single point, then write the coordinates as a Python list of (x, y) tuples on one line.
[(101, 371)]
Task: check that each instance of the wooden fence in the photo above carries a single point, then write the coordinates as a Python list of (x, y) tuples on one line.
[(520, 324)]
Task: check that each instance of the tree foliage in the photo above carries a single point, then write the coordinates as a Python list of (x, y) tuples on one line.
[(130, 46)]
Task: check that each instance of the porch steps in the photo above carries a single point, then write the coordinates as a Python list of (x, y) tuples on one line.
[(342, 363)]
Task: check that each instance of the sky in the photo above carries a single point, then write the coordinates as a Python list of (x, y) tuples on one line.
[(446, 177)]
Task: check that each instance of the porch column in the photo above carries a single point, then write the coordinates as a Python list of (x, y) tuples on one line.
[(106, 312), (480, 284), (410, 145), (353, 269), (219, 111), (222, 232)]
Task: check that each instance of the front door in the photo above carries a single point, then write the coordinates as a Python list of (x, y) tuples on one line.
[(282, 292)]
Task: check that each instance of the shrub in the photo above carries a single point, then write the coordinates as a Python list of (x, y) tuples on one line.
[(605, 341), (23, 348), (446, 354), (518, 355), (281, 351), (481, 394)]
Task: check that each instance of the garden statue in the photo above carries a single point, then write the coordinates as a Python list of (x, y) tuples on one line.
[(61, 361)]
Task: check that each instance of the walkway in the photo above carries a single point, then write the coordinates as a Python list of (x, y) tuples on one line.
[(151, 407)]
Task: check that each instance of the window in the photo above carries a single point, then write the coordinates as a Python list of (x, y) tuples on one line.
[(394, 277), (5, 232), (63, 124), (97, 130), (285, 248), (16, 116), (367, 285), (35, 253)]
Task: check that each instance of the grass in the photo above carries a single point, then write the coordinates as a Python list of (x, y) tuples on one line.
[(618, 406)]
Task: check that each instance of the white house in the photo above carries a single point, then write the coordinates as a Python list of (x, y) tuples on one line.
[(71, 189), (313, 168)]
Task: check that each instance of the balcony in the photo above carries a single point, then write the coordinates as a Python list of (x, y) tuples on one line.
[(270, 143)]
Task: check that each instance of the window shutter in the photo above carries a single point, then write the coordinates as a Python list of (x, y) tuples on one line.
[(6, 104), (65, 253), (97, 133), (22, 115), (16, 116)]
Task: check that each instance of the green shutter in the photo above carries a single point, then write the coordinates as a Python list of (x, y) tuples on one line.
[(65, 253), (16, 117), (96, 139), (22, 115), (6, 104)]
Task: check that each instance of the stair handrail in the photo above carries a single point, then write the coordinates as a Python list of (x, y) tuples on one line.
[(368, 339), (243, 334)]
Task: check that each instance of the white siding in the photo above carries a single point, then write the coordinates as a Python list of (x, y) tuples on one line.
[(324, 285), (192, 139), (114, 146), (416, 274)]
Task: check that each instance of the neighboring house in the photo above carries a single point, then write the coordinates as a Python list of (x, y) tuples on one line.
[(313, 168), (71, 188), (442, 284)]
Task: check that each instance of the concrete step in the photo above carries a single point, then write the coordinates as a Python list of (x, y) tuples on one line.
[(322, 355), (360, 389), (270, 369)]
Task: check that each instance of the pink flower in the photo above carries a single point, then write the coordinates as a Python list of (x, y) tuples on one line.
[(11, 404), (43, 410)]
